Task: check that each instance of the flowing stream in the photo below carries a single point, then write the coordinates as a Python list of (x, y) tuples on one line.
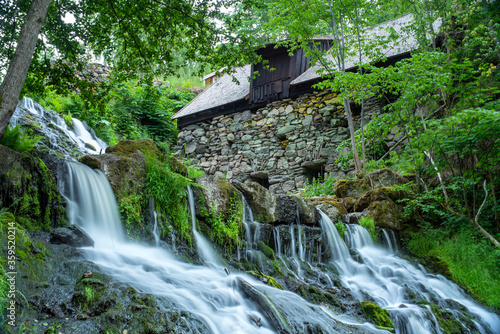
[(408, 292), (206, 292)]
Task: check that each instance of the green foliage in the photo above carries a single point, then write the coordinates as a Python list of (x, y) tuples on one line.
[(227, 225), (89, 296), (169, 191), (369, 224), (144, 111), (15, 140), (341, 228), (319, 187), (470, 259), (195, 172)]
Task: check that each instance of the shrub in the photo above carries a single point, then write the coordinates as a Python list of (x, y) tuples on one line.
[(15, 140)]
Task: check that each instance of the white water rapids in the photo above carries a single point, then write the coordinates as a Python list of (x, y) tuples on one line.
[(204, 291), (394, 284)]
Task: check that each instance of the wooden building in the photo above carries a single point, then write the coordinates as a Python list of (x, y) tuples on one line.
[(290, 77)]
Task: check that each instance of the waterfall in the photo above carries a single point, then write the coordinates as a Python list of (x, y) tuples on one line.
[(207, 293), (390, 281), (91, 204), (204, 249), (56, 134)]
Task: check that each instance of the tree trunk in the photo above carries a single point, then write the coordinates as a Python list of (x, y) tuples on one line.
[(20, 62)]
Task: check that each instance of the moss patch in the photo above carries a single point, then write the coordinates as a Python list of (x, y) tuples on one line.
[(377, 315), (28, 189), (268, 252)]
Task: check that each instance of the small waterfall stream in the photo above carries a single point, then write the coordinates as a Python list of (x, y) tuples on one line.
[(56, 134), (396, 284)]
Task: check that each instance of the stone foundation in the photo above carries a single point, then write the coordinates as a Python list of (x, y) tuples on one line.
[(280, 146)]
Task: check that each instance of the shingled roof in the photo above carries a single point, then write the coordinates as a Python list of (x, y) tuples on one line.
[(222, 92)]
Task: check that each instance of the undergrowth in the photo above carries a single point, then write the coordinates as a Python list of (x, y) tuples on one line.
[(169, 191), (472, 261), (319, 187), (227, 226), (369, 224)]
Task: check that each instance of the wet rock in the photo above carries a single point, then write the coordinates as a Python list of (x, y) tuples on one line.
[(286, 210), (266, 304), (261, 200), (307, 211), (72, 235)]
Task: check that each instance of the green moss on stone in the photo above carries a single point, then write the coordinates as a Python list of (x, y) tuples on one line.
[(266, 250), (377, 315)]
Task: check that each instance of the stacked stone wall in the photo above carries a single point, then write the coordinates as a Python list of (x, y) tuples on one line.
[(280, 145)]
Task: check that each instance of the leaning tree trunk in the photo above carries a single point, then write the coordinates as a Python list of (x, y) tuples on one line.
[(20, 62)]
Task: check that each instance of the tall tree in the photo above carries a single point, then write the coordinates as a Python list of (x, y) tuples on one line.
[(18, 68)]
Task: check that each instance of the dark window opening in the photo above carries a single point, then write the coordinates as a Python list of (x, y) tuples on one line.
[(263, 180), (314, 173)]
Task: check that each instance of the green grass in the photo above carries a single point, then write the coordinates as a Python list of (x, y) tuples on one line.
[(472, 262), (369, 224)]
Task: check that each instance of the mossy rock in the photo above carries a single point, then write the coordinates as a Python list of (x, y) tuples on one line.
[(29, 189), (379, 194), (377, 315), (145, 146), (351, 188), (268, 252), (92, 161), (447, 321), (317, 296), (386, 214)]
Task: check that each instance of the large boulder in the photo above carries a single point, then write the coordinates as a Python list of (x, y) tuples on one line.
[(384, 178), (379, 194), (386, 214), (381, 205), (261, 200), (72, 236), (126, 147), (351, 188), (217, 192), (123, 171)]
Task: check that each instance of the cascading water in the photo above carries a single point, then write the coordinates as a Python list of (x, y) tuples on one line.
[(56, 134), (206, 293), (203, 246), (396, 285)]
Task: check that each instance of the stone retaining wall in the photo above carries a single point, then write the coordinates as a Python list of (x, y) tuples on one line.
[(279, 146)]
